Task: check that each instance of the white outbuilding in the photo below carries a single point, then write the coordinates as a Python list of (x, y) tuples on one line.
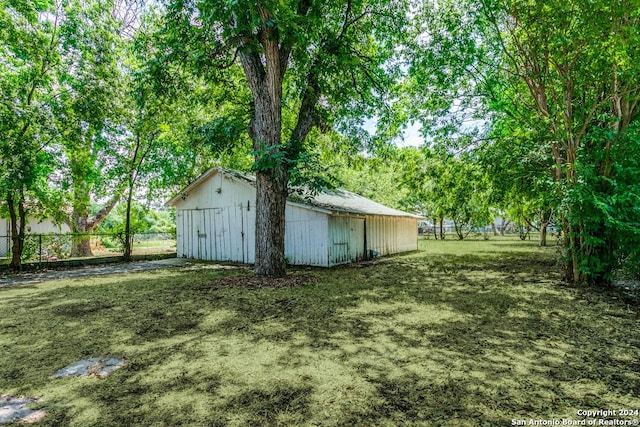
[(34, 226), (216, 221)]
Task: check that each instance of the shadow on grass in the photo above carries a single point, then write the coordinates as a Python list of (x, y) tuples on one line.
[(418, 340)]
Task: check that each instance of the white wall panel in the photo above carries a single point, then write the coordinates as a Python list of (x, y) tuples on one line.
[(305, 237), (390, 235)]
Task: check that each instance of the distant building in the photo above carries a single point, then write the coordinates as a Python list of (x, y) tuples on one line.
[(34, 226)]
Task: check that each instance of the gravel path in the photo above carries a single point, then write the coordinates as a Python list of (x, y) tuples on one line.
[(7, 280)]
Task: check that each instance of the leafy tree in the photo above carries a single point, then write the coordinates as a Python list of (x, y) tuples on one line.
[(420, 171), (28, 35), (170, 133), (306, 64), (464, 189), (574, 62), (378, 177), (89, 113), (557, 80)]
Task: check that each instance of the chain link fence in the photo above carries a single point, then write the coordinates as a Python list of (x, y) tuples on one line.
[(55, 247)]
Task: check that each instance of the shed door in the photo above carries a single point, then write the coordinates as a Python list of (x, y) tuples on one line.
[(346, 240), (215, 234), (193, 233)]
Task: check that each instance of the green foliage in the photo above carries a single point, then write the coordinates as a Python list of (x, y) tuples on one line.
[(606, 209), (90, 108), (377, 177), (331, 51), (143, 220), (556, 85), (44, 247), (28, 58)]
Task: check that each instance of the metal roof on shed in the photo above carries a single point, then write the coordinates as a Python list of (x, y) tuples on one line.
[(334, 201)]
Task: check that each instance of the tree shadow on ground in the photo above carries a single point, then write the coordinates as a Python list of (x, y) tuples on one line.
[(438, 340)]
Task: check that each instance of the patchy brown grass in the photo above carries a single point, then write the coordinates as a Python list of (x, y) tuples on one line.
[(457, 334)]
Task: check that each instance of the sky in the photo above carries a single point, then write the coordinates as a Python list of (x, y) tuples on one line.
[(410, 138)]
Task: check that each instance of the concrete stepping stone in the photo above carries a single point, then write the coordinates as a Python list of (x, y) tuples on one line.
[(98, 367), (14, 409)]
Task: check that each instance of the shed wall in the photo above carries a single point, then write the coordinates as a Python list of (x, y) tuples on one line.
[(305, 237), (216, 220), (219, 191), (214, 234), (33, 226), (346, 239), (46, 226), (391, 235)]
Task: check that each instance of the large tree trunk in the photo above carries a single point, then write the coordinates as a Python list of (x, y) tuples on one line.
[(81, 241), (18, 222), (265, 69), (271, 190), (82, 225), (265, 76), (270, 223)]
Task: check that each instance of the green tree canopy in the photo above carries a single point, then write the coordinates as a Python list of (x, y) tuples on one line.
[(304, 63)]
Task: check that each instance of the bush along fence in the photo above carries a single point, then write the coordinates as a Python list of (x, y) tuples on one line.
[(45, 248)]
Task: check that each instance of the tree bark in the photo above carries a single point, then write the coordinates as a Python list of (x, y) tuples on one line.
[(82, 225), (543, 234), (271, 201), (127, 227), (503, 226), (435, 230), (265, 76), (18, 222), (81, 242)]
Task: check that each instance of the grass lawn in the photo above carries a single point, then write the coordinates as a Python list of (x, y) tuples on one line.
[(458, 334)]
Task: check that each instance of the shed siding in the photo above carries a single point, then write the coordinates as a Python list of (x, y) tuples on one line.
[(346, 239), (231, 193), (46, 226), (34, 226), (305, 237), (390, 235)]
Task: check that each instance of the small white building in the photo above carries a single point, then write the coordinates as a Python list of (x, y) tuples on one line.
[(34, 226), (216, 221)]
